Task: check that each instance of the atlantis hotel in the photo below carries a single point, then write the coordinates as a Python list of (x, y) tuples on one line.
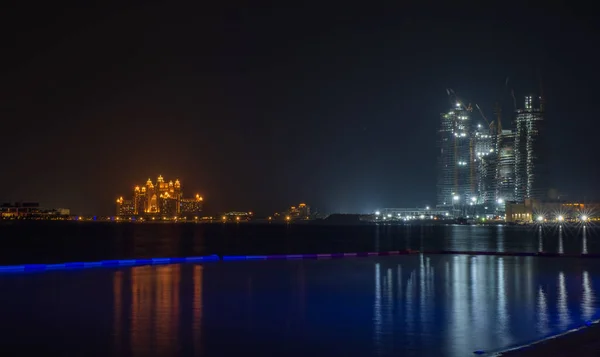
[(164, 199)]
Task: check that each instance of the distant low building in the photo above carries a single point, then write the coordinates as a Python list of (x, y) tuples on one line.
[(537, 211), (125, 207), (30, 210), (302, 211), (235, 216), (410, 213), (191, 206)]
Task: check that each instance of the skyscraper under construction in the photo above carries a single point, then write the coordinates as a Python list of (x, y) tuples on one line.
[(455, 162), (488, 165), (505, 166), (530, 168)]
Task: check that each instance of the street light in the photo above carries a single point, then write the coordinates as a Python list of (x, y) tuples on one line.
[(500, 201), (377, 213), (560, 218), (474, 199), (584, 218), (540, 218), (456, 198)]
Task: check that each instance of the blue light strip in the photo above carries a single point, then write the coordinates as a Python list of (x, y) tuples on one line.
[(315, 256), (105, 263), (214, 257)]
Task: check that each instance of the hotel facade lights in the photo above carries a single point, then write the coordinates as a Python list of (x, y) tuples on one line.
[(163, 198)]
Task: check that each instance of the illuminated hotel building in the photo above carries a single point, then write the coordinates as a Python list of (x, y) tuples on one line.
[(162, 198)]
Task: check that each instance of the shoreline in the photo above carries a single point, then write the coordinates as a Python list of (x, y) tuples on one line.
[(581, 342)]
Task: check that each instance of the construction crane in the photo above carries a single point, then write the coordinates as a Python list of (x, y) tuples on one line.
[(454, 99), (490, 124)]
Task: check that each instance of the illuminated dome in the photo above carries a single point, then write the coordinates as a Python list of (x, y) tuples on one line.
[(160, 178)]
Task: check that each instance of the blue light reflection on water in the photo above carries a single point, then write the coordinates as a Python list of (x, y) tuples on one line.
[(408, 305)]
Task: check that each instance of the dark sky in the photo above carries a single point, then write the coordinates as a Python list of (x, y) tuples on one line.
[(261, 107)]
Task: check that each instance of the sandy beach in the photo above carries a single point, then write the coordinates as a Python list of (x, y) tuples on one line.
[(581, 343)]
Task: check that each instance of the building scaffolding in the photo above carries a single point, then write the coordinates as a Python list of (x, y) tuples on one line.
[(455, 163), (529, 166)]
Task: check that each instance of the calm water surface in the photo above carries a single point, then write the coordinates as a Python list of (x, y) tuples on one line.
[(386, 306), (438, 305), (54, 242)]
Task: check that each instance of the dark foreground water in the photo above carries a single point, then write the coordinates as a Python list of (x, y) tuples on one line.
[(58, 242), (439, 305)]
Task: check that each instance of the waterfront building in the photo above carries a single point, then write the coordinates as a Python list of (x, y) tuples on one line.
[(530, 167), (191, 206), (235, 216), (388, 214), (31, 210), (532, 210), (163, 198), (125, 207), (302, 211)]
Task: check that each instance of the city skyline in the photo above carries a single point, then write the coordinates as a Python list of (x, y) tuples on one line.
[(337, 107)]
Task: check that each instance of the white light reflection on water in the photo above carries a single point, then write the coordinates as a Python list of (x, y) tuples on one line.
[(502, 310), (388, 307), (410, 311), (405, 312), (459, 325), (542, 313), (476, 309), (399, 279), (529, 285), (377, 310), (588, 300), (564, 317), (584, 249), (540, 240), (561, 249), (422, 290), (478, 296), (500, 238)]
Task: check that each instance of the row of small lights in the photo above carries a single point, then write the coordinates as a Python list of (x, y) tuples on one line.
[(583, 218), (377, 213)]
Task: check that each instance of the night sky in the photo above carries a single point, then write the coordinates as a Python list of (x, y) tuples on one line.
[(261, 107)]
